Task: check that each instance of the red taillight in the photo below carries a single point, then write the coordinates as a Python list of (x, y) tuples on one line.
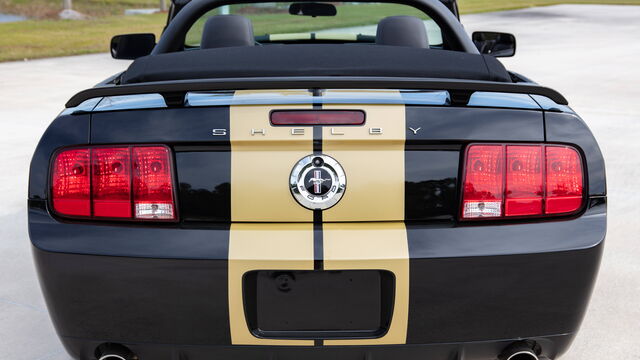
[(71, 182), (521, 180), (483, 184), (116, 182), (111, 182), (564, 180), (317, 117), (524, 193), (152, 184)]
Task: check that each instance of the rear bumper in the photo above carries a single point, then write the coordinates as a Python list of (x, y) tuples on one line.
[(164, 292), (552, 346)]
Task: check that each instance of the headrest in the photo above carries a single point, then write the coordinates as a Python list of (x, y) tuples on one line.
[(226, 31), (402, 31)]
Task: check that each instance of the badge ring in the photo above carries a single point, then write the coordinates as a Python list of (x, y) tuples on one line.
[(327, 166)]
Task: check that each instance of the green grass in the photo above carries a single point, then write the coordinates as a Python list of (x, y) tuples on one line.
[(48, 38), (49, 9), (43, 36)]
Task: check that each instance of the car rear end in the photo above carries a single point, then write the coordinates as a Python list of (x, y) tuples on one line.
[(173, 232)]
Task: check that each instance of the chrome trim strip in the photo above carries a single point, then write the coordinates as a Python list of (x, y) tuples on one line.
[(329, 96), (425, 97), (265, 97), (502, 100), (130, 102)]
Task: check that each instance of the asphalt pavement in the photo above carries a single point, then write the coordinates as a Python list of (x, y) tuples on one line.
[(590, 53)]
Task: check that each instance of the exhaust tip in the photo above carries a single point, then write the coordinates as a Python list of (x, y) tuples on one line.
[(111, 351), (111, 357), (522, 350), (521, 355)]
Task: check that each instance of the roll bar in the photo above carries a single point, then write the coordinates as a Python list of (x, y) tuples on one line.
[(173, 37)]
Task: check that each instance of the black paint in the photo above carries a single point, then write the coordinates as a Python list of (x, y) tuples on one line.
[(127, 299), (204, 179), (171, 126), (431, 184), (462, 124), (571, 129)]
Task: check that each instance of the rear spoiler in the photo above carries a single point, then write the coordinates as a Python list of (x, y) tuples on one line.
[(174, 91)]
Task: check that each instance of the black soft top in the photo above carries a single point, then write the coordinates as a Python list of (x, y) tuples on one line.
[(315, 60)]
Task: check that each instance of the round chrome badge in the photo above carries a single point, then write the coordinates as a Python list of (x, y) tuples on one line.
[(317, 182)]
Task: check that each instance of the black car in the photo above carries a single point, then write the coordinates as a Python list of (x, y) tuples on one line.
[(317, 180)]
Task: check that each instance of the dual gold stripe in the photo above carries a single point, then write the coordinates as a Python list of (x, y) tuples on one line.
[(262, 157), (374, 165), (264, 247), (271, 231), (383, 246)]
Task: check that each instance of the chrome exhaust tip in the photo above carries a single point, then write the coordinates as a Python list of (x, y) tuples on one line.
[(523, 355), (522, 350), (111, 351), (111, 357)]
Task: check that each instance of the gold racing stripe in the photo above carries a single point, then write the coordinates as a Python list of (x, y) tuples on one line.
[(373, 163), (260, 167), (379, 246), (262, 157), (264, 247)]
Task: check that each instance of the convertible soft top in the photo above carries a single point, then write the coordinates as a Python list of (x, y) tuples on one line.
[(315, 60)]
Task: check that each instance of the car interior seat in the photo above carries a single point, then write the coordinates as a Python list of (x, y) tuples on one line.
[(402, 31), (227, 31)]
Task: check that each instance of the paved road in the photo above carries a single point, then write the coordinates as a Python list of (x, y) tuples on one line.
[(4, 18), (589, 53)]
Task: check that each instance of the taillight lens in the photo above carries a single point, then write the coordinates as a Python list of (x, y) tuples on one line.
[(564, 180), (521, 180), (524, 193), (483, 184), (115, 182), (111, 182), (152, 184), (71, 182)]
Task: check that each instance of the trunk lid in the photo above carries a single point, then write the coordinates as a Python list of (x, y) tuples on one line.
[(403, 163)]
